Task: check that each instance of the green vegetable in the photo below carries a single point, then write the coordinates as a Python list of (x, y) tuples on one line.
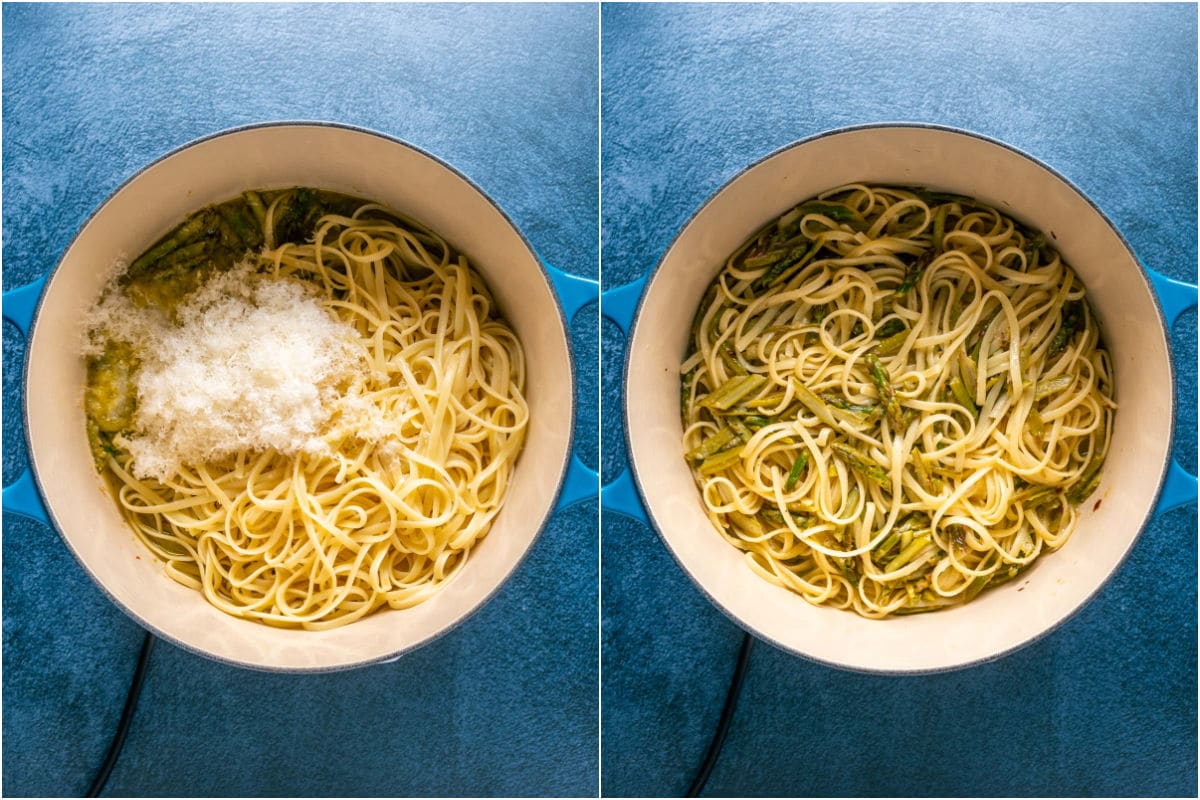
[(887, 393), (1036, 424), (790, 220), (101, 445), (1032, 248), (110, 398), (928, 482), (796, 471), (963, 396), (255, 204), (891, 345), (890, 328), (815, 404), (886, 545), (1041, 496), (761, 260), (863, 465), (236, 217), (835, 211), (774, 516), (966, 369), (1049, 387), (732, 390), (939, 228), (906, 555), (741, 430), (713, 444), (975, 587), (183, 255), (722, 460), (848, 566), (197, 225), (1072, 320), (1088, 482), (768, 401), (730, 359), (914, 271), (748, 525), (773, 275), (933, 199)]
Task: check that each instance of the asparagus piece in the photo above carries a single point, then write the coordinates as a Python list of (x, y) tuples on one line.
[(839, 402), (239, 221), (835, 211), (796, 471), (891, 345), (722, 460), (732, 390), (815, 405), (928, 482), (1088, 481), (939, 228), (1032, 248), (182, 235), (890, 328), (255, 204), (762, 260), (887, 392), (713, 444), (1049, 387), (1037, 425), (887, 544), (963, 396), (906, 555), (975, 587), (748, 525), (863, 465), (772, 276), (1072, 320), (914, 271)]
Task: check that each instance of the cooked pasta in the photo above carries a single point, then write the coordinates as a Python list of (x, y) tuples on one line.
[(313, 413), (895, 398)]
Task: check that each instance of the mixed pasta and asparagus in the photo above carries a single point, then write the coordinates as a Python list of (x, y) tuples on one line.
[(894, 399)]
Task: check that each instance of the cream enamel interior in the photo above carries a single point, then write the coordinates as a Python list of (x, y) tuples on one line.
[(999, 620), (345, 160)]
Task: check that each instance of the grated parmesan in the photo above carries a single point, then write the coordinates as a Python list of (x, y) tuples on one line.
[(249, 364)]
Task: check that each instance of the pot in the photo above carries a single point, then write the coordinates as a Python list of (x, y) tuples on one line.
[(277, 155), (1121, 291)]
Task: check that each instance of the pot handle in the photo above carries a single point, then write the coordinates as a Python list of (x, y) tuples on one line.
[(621, 495), (21, 497), (1175, 297), (582, 482)]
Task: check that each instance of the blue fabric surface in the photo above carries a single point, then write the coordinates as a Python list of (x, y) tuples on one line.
[(507, 703), (1106, 705)]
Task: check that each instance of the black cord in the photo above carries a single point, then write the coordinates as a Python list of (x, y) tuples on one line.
[(131, 701), (718, 739)]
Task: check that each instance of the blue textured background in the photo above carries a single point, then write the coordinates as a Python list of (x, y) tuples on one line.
[(1107, 95), (507, 703)]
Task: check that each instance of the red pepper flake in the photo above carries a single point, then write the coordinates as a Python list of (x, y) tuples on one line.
[(1097, 506)]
